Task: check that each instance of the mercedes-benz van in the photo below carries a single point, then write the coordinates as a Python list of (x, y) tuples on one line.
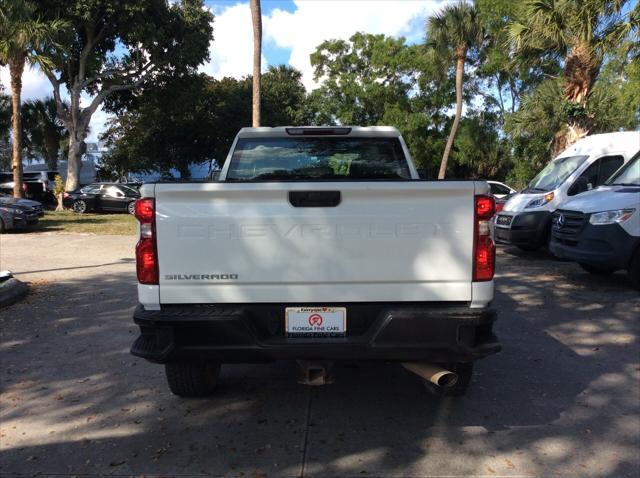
[(525, 220)]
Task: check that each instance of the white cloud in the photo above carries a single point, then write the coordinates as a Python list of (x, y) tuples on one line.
[(34, 84), (231, 52), (314, 21)]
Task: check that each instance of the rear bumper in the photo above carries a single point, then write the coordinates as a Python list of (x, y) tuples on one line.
[(255, 333), (529, 229)]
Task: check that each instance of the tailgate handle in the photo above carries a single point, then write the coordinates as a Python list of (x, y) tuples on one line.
[(314, 198)]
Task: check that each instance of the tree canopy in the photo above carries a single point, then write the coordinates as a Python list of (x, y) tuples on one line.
[(513, 105), (115, 46)]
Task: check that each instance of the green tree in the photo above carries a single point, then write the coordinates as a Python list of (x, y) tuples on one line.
[(115, 47), (480, 151), (361, 77), (190, 119), (579, 33), (283, 97), (504, 80), (22, 32), (168, 127), (379, 80), (453, 32), (43, 131)]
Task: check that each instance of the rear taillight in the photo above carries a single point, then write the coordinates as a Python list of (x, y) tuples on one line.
[(146, 250), (65, 195), (484, 253)]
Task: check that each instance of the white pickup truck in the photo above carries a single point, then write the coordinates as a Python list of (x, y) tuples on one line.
[(316, 244)]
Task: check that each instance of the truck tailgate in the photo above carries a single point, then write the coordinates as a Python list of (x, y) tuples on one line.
[(384, 241)]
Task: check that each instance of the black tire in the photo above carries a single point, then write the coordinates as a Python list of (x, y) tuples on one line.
[(198, 379), (634, 270), (131, 208), (79, 206), (1, 226), (600, 271), (464, 371)]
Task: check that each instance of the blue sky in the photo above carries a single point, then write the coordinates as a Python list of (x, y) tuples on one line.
[(273, 53)]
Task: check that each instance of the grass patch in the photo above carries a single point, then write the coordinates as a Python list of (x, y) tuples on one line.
[(68, 221)]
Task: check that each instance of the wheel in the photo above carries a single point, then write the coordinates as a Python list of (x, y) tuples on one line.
[(634, 270), (79, 206), (464, 371), (198, 379), (131, 207), (601, 271), (1, 226)]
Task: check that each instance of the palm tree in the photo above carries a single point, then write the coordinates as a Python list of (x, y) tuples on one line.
[(21, 31), (452, 32), (256, 19), (43, 130), (578, 33)]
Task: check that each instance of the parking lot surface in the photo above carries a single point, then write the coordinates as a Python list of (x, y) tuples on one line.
[(561, 399)]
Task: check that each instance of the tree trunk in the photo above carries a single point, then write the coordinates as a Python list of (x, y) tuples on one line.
[(52, 147), (581, 70), (16, 67), (60, 199), (74, 159), (256, 18), (460, 57)]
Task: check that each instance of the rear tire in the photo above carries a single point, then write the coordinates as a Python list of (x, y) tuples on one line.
[(1, 226), (131, 207), (634, 270), (600, 271), (464, 371), (79, 206), (197, 379)]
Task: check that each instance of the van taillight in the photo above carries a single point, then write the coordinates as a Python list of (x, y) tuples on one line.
[(146, 249), (484, 253)]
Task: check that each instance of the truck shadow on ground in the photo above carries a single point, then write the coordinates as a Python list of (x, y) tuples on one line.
[(561, 398)]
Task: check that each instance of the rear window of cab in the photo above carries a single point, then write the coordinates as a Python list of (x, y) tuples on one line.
[(318, 158)]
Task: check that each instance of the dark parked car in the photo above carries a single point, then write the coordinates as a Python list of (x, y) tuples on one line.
[(8, 199), (16, 216), (36, 184), (102, 197)]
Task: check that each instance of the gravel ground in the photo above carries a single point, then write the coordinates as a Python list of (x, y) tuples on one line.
[(562, 398)]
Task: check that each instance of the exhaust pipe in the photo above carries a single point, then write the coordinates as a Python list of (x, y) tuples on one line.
[(433, 373), (315, 373)]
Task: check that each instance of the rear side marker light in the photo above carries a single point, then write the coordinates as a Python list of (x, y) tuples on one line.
[(484, 250)]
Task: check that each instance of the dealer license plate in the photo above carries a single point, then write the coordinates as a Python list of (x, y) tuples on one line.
[(316, 321)]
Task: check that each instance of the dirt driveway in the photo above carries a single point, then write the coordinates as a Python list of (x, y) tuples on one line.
[(563, 397)]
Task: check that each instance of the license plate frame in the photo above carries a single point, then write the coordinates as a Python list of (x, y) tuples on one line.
[(315, 322)]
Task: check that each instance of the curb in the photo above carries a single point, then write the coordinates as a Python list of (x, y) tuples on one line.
[(11, 291)]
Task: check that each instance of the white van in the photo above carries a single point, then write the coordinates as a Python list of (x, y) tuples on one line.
[(525, 220), (600, 229)]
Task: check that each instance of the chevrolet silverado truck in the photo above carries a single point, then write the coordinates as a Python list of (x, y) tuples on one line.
[(319, 245)]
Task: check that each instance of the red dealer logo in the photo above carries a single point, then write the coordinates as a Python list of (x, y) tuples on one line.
[(315, 319)]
